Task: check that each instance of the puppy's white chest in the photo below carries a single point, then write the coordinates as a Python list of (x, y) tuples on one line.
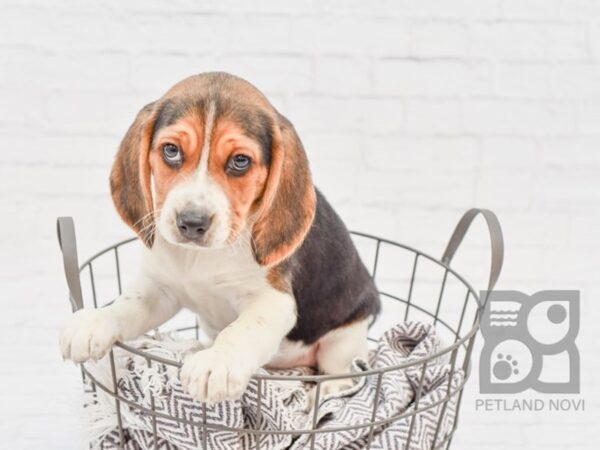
[(212, 283)]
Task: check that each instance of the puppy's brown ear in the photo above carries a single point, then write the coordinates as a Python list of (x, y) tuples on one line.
[(289, 201), (130, 176)]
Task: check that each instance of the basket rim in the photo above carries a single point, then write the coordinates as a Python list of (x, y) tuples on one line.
[(321, 378)]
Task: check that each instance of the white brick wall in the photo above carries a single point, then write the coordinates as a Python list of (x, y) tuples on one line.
[(411, 112)]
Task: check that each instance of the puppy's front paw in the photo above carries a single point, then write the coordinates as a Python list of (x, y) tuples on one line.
[(214, 375), (88, 334)]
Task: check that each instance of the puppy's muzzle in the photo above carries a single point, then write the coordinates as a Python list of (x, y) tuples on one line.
[(193, 225)]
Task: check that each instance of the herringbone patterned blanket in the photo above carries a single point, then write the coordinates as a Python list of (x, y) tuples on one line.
[(284, 404)]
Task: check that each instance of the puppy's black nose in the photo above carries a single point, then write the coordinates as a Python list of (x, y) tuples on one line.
[(192, 224)]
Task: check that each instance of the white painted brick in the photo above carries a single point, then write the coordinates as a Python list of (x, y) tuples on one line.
[(520, 117), (350, 35), (579, 9), (524, 229), (382, 114), (589, 117), (505, 190), (55, 180), (561, 188), (80, 151), (273, 73), (122, 108), (80, 71), (155, 72), (76, 112), (394, 154), (136, 7), (79, 28), (585, 231), (567, 42), (319, 113), (507, 40), (571, 151), (342, 75), (459, 9), (24, 67), (15, 140), (332, 147), (337, 179), (506, 436), (524, 41), (565, 435), (275, 7), (433, 116), (509, 153), (576, 81), (532, 9), (439, 39), (522, 80), (380, 221), (18, 21), (23, 107), (426, 228), (423, 78), (186, 33), (372, 114), (413, 190), (338, 155), (594, 38), (262, 34)]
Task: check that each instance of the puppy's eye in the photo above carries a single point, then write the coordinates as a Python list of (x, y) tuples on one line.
[(172, 154), (238, 164)]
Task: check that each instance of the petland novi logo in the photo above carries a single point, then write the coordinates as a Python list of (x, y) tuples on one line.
[(529, 344)]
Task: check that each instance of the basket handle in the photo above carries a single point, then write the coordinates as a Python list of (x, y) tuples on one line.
[(65, 229), (496, 239)]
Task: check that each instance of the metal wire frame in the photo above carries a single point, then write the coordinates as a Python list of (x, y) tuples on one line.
[(462, 341)]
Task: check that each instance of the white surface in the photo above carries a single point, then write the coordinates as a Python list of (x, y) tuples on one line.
[(411, 112)]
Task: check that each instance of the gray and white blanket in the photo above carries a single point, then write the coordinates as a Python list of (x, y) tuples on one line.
[(284, 404)]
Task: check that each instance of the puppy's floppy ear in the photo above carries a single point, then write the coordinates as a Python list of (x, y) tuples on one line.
[(130, 176), (288, 202)]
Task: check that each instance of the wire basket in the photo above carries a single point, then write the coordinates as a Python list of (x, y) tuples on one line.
[(412, 285)]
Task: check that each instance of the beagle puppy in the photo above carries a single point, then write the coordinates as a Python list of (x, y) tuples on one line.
[(216, 184)]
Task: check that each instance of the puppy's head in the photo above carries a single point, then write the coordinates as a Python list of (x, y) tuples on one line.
[(211, 161)]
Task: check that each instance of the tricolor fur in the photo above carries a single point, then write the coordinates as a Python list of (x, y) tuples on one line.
[(216, 183)]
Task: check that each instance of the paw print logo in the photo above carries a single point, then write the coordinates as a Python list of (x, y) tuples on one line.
[(505, 367), (510, 362), (528, 341)]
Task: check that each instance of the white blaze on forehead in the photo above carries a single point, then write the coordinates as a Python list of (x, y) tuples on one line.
[(208, 128), (199, 192)]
